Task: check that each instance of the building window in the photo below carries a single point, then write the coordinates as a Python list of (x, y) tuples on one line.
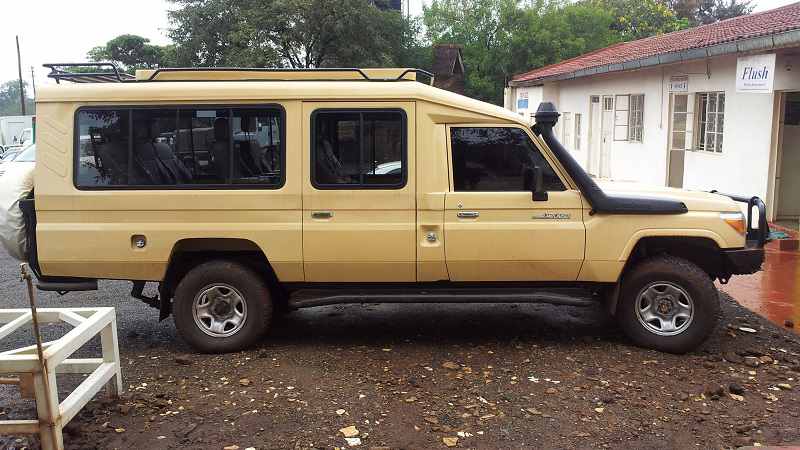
[(566, 127), (577, 131), (681, 122), (710, 121), (496, 159), (628, 117), (636, 118), (179, 147), (358, 149)]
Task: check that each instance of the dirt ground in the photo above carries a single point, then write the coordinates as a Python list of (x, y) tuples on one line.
[(488, 377)]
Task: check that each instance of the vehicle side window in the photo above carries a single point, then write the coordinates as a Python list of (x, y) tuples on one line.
[(358, 149), (179, 147), (492, 159)]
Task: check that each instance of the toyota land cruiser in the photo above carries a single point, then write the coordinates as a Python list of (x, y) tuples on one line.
[(247, 192)]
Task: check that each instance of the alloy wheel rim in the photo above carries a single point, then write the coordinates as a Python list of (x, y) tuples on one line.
[(664, 308), (219, 310)]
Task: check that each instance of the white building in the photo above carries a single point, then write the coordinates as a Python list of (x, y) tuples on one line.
[(712, 107)]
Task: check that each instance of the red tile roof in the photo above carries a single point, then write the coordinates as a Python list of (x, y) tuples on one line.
[(765, 23)]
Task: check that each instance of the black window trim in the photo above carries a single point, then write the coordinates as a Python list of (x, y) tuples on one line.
[(180, 187), (452, 174), (403, 150)]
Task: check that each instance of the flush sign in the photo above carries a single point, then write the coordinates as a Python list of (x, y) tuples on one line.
[(755, 73)]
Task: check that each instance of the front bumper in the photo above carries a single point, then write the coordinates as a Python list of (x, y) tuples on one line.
[(743, 261)]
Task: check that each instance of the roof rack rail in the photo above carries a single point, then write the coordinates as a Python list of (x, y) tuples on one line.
[(276, 74), (109, 73), (112, 74)]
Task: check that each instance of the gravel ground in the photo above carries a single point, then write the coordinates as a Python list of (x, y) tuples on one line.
[(431, 376)]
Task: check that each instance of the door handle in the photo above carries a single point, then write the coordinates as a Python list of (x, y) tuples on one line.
[(321, 214), (468, 214)]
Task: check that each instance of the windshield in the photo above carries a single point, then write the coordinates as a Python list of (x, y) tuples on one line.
[(27, 155)]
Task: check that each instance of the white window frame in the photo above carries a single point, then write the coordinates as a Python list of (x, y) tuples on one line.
[(710, 121), (578, 119), (688, 123), (566, 128), (636, 117)]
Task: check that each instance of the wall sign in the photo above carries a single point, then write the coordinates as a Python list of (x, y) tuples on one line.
[(755, 73), (679, 84), (522, 100)]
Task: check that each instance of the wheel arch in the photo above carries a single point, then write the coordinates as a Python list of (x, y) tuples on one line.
[(188, 253), (702, 248)]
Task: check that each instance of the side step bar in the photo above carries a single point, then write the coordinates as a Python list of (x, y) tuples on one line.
[(307, 298)]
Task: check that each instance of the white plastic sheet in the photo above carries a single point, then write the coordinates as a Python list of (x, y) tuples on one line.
[(15, 184)]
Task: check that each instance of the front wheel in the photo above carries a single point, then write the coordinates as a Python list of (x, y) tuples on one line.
[(668, 304), (221, 306)]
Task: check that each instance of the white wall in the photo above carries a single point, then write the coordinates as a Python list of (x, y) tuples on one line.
[(742, 167)]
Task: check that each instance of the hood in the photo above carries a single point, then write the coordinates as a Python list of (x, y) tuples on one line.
[(694, 200)]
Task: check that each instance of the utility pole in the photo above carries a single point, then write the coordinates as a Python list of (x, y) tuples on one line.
[(21, 84), (33, 82)]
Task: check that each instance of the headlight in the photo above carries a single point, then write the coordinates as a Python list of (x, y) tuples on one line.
[(735, 220)]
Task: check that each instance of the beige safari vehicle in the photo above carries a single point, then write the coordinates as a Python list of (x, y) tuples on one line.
[(245, 193)]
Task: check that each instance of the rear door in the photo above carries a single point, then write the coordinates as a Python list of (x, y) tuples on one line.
[(359, 218), (494, 231)]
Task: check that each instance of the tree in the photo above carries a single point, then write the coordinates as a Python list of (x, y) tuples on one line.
[(637, 19), (9, 99), (130, 52), (289, 33), (504, 37), (710, 11)]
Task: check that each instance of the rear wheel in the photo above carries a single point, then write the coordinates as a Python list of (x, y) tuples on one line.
[(221, 306), (668, 304)]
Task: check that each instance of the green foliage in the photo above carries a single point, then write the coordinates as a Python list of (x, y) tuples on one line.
[(129, 52), (9, 99), (710, 11), (636, 19), (291, 33), (504, 37)]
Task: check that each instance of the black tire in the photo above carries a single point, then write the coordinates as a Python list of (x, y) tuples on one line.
[(232, 279), (663, 272)]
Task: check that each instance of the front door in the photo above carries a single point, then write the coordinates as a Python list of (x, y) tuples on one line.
[(493, 228), (788, 181), (607, 136), (359, 221)]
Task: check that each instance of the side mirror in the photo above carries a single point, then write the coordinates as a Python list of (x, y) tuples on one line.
[(533, 180)]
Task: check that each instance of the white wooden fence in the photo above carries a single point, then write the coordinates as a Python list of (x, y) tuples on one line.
[(41, 380)]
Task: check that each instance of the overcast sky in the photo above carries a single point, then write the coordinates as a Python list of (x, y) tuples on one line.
[(64, 31)]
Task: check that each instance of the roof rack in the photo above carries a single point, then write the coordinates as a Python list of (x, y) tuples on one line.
[(112, 74)]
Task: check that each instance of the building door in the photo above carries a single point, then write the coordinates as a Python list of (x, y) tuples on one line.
[(681, 137), (493, 228), (594, 136), (606, 136), (788, 179), (359, 213)]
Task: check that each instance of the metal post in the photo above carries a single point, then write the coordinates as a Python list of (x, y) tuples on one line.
[(49, 432), (21, 84), (33, 82)]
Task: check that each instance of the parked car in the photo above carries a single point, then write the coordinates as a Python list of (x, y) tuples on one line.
[(243, 194), (10, 154), (26, 157), (15, 131)]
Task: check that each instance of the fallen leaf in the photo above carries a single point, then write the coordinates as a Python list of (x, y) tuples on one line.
[(450, 441), (339, 412), (450, 365), (353, 442), (244, 382), (350, 431), (119, 430), (599, 409), (736, 397), (747, 330)]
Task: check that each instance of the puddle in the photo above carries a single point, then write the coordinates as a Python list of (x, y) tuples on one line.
[(775, 291)]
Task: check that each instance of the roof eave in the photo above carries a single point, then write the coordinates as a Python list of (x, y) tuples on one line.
[(769, 42)]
